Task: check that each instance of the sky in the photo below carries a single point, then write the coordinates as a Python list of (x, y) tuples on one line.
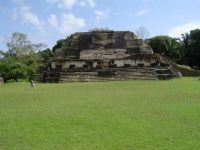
[(47, 21)]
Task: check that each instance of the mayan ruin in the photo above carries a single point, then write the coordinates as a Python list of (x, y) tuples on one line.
[(105, 55), (99, 75)]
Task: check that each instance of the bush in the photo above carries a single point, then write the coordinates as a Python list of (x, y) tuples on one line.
[(10, 69)]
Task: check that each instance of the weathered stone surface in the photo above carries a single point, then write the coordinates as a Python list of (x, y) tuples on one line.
[(104, 54), (146, 50), (113, 74), (179, 74), (97, 40)]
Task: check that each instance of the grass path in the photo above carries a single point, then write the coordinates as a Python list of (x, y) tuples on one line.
[(132, 115)]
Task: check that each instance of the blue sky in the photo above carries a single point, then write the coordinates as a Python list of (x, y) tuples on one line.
[(50, 20)]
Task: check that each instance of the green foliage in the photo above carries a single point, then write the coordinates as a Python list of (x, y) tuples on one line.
[(10, 69), (186, 42), (194, 47), (185, 51), (45, 54), (32, 62), (19, 67), (130, 115), (4, 69), (23, 58), (2, 54), (58, 44), (168, 46), (191, 48)]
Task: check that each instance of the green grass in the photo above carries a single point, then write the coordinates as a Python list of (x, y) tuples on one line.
[(132, 115)]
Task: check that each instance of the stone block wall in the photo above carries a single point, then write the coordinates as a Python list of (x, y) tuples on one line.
[(97, 40), (103, 54)]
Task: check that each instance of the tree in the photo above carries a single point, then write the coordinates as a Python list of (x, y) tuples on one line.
[(142, 33), (59, 44), (10, 69), (168, 46), (45, 55), (19, 45), (185, 37), (38, 47), (22, 59), (1, 54), (4, 70), (186, 40), (191, 48), (194, 48)]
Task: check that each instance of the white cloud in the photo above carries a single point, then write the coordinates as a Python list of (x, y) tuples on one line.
[(53, 20), (91, 3), (71, 23), (69, 4), (31, 18), (24, 12), (178, 30), (68, 23), (142, 12), (82, 3), (101, 14)]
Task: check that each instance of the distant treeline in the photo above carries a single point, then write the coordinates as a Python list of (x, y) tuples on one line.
[(23, 58), (184, 50)]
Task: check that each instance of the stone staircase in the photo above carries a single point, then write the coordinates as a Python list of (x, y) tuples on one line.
[(112, 74), (119, 74), (165, 73)]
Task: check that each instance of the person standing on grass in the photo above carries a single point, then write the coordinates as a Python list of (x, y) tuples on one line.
[(32, 83)]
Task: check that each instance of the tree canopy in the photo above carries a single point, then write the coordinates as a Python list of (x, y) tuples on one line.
[(194, 48), (22, 58), (185, 50), (168, 46)]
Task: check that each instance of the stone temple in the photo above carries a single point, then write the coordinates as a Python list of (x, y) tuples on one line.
[(105, 55)]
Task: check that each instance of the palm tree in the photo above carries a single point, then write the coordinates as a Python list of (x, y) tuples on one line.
[(186, 41)]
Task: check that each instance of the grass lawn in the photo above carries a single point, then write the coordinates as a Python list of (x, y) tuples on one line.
[(130, 115)]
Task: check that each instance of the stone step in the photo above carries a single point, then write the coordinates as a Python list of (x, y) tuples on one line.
[(118, 71), (78, 73), (121, 74), (116, 77), (165, 76), (116, 74), (106, 79), (134, 73)]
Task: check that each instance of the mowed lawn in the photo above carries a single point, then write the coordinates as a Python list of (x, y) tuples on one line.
[(129, 115)]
